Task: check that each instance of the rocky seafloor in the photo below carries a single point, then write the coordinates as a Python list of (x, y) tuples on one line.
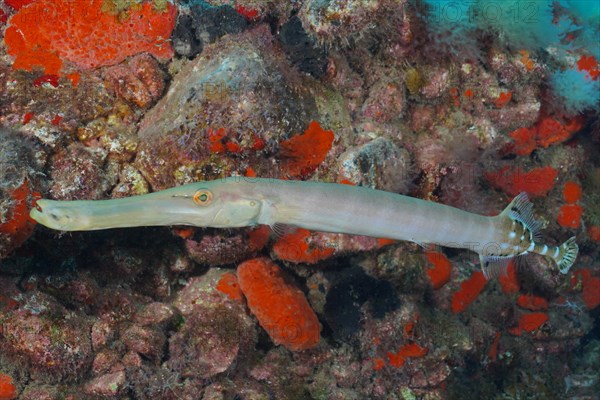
[(433, 99)]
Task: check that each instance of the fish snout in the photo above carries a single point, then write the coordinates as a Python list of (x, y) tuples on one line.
[(52, 217)]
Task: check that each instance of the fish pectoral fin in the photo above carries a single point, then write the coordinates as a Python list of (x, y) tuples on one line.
[(428, 247), (280, 230), (494, 266)]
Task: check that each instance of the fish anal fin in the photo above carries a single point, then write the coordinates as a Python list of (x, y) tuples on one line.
[(493, 266)]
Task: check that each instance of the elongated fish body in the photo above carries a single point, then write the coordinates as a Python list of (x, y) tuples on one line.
[(328, 207), (364, 211)]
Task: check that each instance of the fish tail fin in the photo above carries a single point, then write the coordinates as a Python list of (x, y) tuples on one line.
[(521, 210), (564, 255), (567, 255)]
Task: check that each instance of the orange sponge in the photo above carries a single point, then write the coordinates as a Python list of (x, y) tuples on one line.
[(547, 131), (281, 308), (531, 302), (509, 281), (411, 350), (229, 286), (536, 182), (7, 388), (572, 192), (468, 292), (18, 226), (531, 322), (440, 274), (45, 33), (302, 154), (569, 215), (294, 247)]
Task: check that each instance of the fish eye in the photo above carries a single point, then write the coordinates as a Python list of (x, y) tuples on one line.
[(203, 197)]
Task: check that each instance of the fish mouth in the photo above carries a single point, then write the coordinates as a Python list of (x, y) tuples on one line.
[(49, 214)]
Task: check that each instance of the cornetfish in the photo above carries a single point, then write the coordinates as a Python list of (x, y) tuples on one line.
[(329, 207)]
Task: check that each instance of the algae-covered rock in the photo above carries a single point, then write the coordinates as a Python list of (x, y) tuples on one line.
[(380, 164), (19, 175), (237, 94)]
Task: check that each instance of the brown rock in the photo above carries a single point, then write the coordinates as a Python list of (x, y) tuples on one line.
[(108, 385)]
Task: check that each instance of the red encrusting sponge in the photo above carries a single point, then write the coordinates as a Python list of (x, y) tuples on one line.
[(45, 33), (509, 281), (295, 247), (302, 154), (532, 321), (546, 132), (572, 192), (280, 308), (439, 275), (8, 391), (590, 287), (229, 286), (570, 214), (513, 180), (531, 302), (468, 292), (18, 225), (409, 350)]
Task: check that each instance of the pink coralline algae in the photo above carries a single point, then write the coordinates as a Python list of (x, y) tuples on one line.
[(40, 334), (46, 33), (219, 249), (217, 330), (144, 340), (212, 338), (139, 81), (78, 173)]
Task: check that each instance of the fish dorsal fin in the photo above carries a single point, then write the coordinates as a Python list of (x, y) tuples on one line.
[(521, 209), (493, 266)]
